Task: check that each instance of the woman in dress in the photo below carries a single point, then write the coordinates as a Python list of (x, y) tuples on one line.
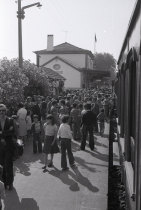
[(50, 141), (22, 114)]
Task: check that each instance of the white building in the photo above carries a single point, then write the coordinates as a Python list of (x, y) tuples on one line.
[(76, 65)]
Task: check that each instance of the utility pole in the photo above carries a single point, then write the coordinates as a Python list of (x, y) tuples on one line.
[(20, 34), (20, 16)]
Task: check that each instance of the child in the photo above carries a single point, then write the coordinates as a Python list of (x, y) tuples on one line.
[(36, 132), (75, 116), (28, 124), (65, 136), (2, 190), (54, 112), (101, 119), (50, 143), (63, 110)]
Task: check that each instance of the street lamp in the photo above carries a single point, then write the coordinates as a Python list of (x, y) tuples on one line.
[(20, 16)]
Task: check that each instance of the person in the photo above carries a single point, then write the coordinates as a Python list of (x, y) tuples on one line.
[(95, 110), (28, 124), (50, 141), (28, 104), (43, 109), (106, 107), (2, 190), (16, 135), (65, 136), (21, 114), (63, 109), (68, 104), (6, 147), (75, 116), (16, 125), (36, 132), (88, 122), (49, 104), (101, 118), (83, 109), (36, 109), (54, 112)]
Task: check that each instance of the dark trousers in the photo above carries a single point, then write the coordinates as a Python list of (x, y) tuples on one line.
[(66, 146), (76, 130), (7, 163), (85, 131), (96, 127), (37, 143)]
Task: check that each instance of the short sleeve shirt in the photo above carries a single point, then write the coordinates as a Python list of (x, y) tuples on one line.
[(50, 130)]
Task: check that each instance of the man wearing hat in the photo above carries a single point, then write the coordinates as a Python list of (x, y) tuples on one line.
[(6, 147)]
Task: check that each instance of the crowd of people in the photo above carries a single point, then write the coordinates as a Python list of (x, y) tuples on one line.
[(52, 121)]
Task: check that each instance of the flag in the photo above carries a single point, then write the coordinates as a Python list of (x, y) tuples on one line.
[(95, 38)]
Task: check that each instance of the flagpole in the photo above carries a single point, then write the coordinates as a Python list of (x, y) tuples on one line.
[(95, 40)]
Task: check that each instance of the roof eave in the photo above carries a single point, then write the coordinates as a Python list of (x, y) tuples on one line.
[(130, 26), (64, 52)]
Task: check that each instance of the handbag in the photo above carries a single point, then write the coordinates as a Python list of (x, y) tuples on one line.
[(20, 147)]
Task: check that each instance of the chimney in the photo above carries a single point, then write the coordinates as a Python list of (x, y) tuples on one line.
[(50, 42)]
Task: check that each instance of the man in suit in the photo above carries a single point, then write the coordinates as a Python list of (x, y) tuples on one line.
[(36, 110), (6, 147), (88, 122)]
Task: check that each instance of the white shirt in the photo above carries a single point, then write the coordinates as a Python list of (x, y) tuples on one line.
[(65, 131), (22, 112)]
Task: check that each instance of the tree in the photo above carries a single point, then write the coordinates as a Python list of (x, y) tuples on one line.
[(104, 61), (38, 79), (14, 80)]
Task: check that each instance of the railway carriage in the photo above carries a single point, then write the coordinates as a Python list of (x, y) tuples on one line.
[(128, 87)]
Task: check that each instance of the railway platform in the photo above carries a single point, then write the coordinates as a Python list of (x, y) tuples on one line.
[(84, 188)]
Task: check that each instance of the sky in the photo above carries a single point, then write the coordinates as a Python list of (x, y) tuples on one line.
[(73, 21)]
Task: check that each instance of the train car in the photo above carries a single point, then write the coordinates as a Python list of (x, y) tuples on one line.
[(128, 88)]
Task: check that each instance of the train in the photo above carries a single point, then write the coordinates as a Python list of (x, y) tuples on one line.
[(128, 91)]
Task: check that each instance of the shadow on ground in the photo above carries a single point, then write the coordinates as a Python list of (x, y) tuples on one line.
[(12, 202), (23, 164), (76, 178)]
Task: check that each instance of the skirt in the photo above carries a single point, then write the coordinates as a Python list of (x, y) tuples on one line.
[(48, 148)]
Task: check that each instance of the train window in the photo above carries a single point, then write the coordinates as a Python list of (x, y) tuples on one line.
[(133, 98), (133, 109), (122, 98), (127, 80), (130, 106)]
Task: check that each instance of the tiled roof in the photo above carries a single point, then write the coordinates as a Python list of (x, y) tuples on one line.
[(65, 48), (53, 74)]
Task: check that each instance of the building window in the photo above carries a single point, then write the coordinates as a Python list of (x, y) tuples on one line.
[(56, 67)]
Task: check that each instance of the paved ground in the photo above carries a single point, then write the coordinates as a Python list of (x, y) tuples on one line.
[(84, 188)]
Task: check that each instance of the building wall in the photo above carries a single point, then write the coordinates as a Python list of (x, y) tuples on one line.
[(77, 60), (72, 76)]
